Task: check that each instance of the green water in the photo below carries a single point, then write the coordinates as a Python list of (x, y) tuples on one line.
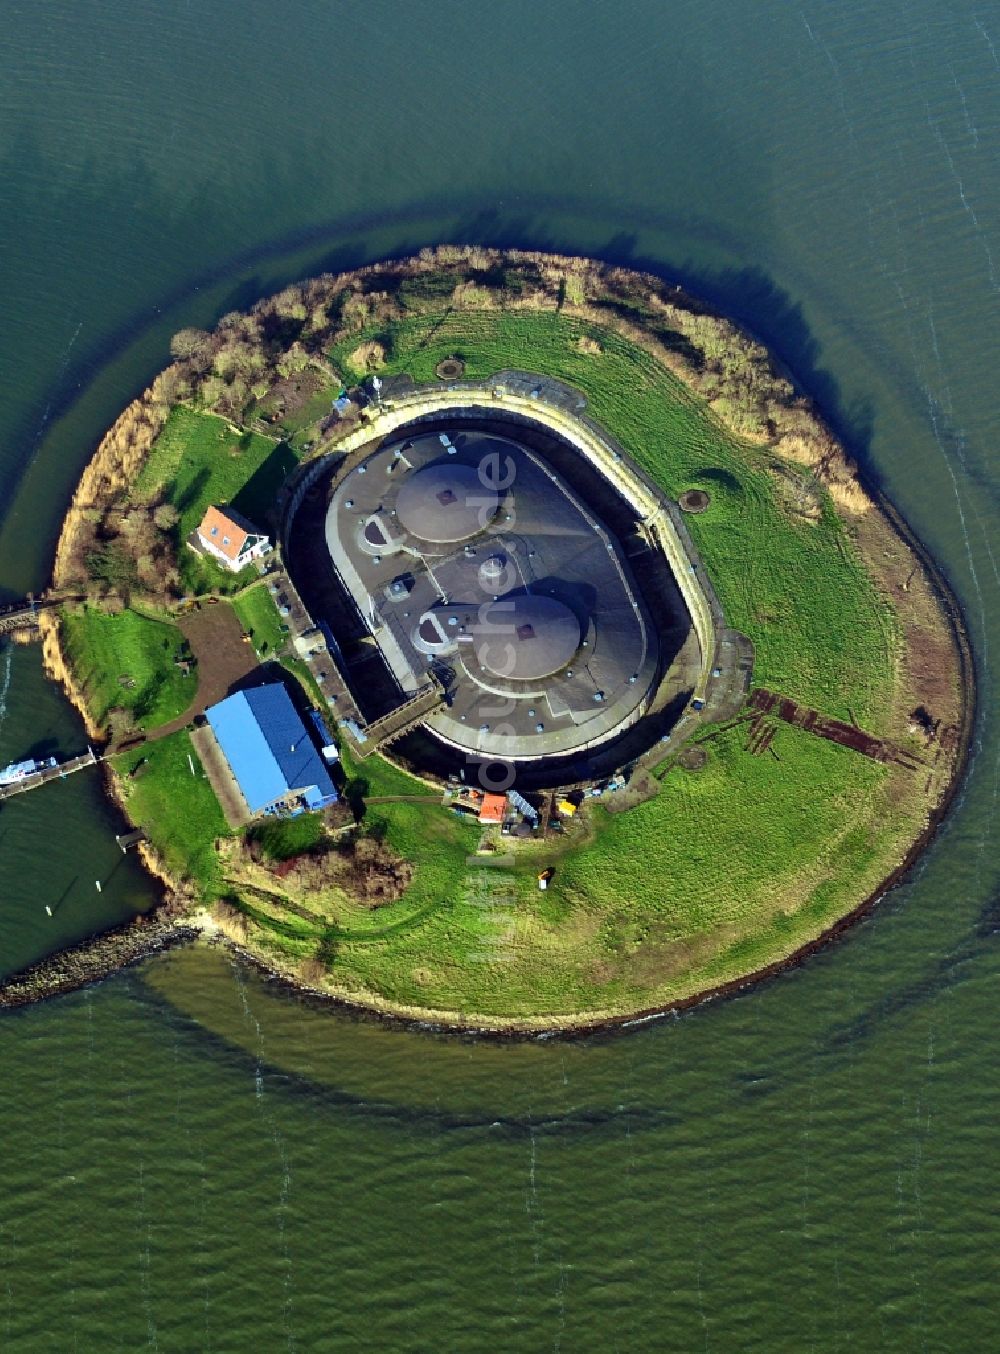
[(192, 1161)]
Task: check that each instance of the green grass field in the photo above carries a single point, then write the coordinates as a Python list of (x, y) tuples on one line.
[(259, 618), (727, 869), (197, 460), (127, 661), (177, 807), (742, 861), (282, 838)]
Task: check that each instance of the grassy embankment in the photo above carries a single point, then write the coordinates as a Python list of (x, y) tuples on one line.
[(259, 618), (198, 459), (177, 807), (128, 662), (741, 863)]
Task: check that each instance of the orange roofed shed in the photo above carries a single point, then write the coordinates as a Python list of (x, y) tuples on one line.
[(493, 808)]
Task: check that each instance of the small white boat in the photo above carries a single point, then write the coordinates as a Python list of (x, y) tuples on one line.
[(17, 771)]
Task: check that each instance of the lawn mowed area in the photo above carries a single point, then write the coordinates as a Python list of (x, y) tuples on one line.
[(177, 808), (259, 618), (727, 869), (128, 661), (197, 460), (748, 858)]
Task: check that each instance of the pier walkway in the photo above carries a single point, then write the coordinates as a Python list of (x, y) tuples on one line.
[(23, 615), (399, 721), (60, 772)]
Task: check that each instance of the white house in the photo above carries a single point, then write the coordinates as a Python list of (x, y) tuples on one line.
[(230, 538)]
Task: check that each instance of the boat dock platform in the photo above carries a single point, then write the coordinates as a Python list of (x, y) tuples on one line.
[(23, 615), (60, 772)]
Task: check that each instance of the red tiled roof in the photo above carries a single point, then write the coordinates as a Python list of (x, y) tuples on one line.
[(492, 809), (223, 533)]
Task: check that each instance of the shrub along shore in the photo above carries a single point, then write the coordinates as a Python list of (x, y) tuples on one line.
[(749, 860)]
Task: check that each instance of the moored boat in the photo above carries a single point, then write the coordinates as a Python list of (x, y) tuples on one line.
[(17, 771)]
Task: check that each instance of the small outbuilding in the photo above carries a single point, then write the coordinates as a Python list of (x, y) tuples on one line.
[(493, 808)]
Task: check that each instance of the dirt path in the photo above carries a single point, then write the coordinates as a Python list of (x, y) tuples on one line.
[(220, 777), (224, 658), (404, 799)]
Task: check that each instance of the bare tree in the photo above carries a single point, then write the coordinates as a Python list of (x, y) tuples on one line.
[(188, 344)]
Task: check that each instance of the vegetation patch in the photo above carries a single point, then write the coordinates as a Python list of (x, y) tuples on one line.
[(164, 790), (133, 668), (197, 460), (740, 852), (362, 867), (259, 617)]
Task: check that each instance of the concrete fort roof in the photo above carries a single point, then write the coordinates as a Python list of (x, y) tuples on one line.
[(525, 637), (587, 656), (446, 502), (268, 748)]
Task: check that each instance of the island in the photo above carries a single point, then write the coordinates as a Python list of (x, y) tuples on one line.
[(499, 640)]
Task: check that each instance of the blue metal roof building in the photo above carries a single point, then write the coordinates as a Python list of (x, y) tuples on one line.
[(269, 750)]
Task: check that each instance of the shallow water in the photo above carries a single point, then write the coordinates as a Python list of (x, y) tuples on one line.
[(192, 1160)]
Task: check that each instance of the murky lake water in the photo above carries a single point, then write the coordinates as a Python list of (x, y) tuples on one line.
[(194, 1162)]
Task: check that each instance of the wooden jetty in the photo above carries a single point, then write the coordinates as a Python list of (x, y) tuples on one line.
[(60, 772), (23, 615), (127, 839)]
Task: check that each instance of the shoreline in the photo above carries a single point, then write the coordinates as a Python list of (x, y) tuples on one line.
[(91, 961), (108, 952)]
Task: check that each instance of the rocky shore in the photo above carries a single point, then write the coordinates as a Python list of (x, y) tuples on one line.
[(94, 959)]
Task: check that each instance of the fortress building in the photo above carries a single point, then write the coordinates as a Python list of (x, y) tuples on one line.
[(474, 564), (497, 581)]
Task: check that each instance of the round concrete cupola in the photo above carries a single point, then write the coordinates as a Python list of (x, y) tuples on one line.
[(492, 573), (445, 503), (526, 636), (436, 632)]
